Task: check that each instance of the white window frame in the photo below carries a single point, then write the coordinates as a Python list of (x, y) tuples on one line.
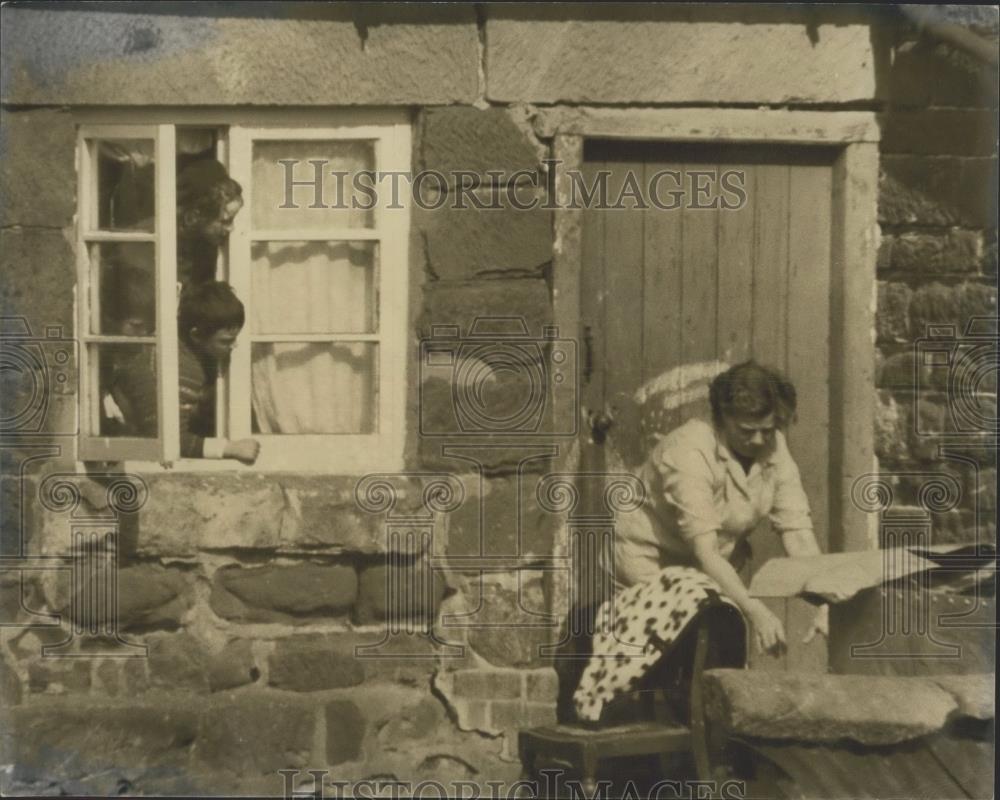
[(390, 130)]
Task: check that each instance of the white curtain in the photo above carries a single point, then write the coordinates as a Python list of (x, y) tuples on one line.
[(312, 287)]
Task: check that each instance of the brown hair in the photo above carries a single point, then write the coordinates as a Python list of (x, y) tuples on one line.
[(751, 390)]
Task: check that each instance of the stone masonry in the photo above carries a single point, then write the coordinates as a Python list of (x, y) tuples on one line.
[(251, 599)]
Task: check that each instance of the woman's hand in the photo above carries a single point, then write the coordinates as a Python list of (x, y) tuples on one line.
[(768, 631), (820, 624)]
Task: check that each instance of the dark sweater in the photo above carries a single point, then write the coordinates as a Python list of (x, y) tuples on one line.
[(135, 391)]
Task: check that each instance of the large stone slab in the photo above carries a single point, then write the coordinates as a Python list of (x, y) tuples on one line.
[(463, 242), (39, 182), (278, 593), (319, 55), (69, 740), (254, 734), (826, 708), (638, 53)]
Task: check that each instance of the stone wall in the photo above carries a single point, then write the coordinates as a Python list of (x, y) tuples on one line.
[(251, 591), (937, 266)]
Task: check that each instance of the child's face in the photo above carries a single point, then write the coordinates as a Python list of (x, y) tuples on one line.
[(219, 344)]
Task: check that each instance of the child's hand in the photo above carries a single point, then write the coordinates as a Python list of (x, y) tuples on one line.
[(244, 450)]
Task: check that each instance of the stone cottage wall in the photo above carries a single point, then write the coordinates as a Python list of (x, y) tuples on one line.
[(252, 592), (937, 266)]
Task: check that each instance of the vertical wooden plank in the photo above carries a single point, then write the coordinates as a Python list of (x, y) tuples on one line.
[(770, 288), (662, 259), (623, 285), (566, 268), (592, 299), (699, 278), (737, 241), (808, 343), (855, 241)]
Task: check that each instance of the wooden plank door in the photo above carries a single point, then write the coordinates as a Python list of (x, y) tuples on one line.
[(662, 288)]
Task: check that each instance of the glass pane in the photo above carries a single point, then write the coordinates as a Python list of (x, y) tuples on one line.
[(123, 382), (125, 185), (284, 193), (314, 287), (314, 387), (123, 288)]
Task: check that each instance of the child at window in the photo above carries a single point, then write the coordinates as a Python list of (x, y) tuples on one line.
[(209, 320)]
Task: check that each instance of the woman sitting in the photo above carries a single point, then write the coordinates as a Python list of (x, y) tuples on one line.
[(708, 485)]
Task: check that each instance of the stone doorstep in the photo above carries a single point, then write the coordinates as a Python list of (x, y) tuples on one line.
[(872, 710)]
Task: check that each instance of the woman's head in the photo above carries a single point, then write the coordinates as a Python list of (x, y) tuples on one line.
[(749, 402), (207, 201)]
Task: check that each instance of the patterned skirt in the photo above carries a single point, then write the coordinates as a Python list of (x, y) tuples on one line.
[(636, 628)]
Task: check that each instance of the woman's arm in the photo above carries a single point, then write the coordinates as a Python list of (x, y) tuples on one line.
[(800, 543), (768, 630)]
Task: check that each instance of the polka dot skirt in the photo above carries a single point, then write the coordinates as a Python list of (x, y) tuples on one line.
[(635, 628)]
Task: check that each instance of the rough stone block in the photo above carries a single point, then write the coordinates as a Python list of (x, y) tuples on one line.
[(892, 432), (149, 596), (39, 272), (826, 708), (178, 661), (940, 131), (40, 180), (313, 662), (74, 739), (513, 715), (474, 140), (975, 694), (232, 667), (407, 590), (461, 304), (892, 315), (921, 254), (543, 685), (644, 54), (487, 684), (926, 74), (254, 734), (926, 190), (506, 520), (408, 719), (10, 686), (345, 731), (511, 643), (323, 513), (274, 593), (468, 243), (938, 304), (982, 488), (55, 676), (185, 514), (342, 56)]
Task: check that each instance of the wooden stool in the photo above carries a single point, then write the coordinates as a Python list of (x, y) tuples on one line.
[(580, 749)]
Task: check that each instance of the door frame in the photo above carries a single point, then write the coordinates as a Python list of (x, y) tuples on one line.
[(854, 246)]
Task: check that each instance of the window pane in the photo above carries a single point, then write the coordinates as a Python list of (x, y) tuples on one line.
[(314, 387), (123, 288), (314, 287), (124, 376), (125, 185), (294, 186)]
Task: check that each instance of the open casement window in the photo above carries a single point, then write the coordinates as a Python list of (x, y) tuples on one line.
[(126, 291), (318, 372)]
